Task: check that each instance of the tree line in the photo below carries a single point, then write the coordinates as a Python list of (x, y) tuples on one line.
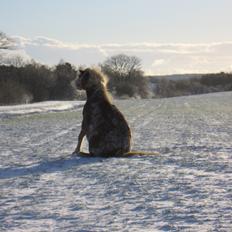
[(35, 82), (22, 82), (207, 83)]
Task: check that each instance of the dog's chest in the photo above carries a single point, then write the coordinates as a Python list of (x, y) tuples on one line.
[(94, 115)]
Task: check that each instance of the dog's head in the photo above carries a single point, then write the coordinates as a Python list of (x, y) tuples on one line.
[(89, 79)]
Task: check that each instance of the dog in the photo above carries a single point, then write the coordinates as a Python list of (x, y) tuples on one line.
[(105, 127)]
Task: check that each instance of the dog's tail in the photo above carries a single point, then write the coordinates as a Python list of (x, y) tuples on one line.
[(128, 154)]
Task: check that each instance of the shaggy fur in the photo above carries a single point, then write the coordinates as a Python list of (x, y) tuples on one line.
[(105, 127)]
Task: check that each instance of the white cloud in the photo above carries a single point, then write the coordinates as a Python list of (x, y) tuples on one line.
[(157, 62), (157, 58)]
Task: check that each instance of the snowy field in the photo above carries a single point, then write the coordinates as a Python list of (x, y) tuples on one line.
[(187, 187)]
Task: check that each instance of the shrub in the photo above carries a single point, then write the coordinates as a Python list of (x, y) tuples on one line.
[(12, 92), (63, 89)]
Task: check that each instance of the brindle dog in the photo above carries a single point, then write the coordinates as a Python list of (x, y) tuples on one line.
[(105, 127)]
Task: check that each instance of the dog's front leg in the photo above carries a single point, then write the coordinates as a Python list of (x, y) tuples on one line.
[(80, 138)]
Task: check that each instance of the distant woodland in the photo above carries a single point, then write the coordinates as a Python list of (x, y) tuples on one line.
[(29, 82)]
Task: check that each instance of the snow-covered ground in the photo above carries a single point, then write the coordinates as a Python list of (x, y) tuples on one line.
[(43, 107), (187, 187)]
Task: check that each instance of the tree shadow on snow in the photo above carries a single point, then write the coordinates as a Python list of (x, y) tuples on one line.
[(48, 166)]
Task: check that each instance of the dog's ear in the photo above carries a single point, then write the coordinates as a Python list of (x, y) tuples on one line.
[(81, 71)]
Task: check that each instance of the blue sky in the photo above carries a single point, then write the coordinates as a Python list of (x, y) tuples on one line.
[(124, 23)]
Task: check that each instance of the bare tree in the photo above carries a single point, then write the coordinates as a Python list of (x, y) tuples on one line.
[(125, 75), (122, 64), (8, 52), (6, 42), (15, 60)]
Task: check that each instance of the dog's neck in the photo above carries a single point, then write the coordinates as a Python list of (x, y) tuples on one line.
[(96, 93)]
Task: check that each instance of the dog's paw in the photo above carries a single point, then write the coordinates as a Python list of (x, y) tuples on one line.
[(75, 153)]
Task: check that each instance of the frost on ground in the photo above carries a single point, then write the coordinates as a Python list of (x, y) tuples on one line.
[(44, 107), (188, 187)]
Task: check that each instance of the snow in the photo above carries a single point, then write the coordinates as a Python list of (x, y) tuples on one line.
[(187, 187), (42, 107)]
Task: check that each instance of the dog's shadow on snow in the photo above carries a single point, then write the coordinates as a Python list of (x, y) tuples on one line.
[(48, 166)]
